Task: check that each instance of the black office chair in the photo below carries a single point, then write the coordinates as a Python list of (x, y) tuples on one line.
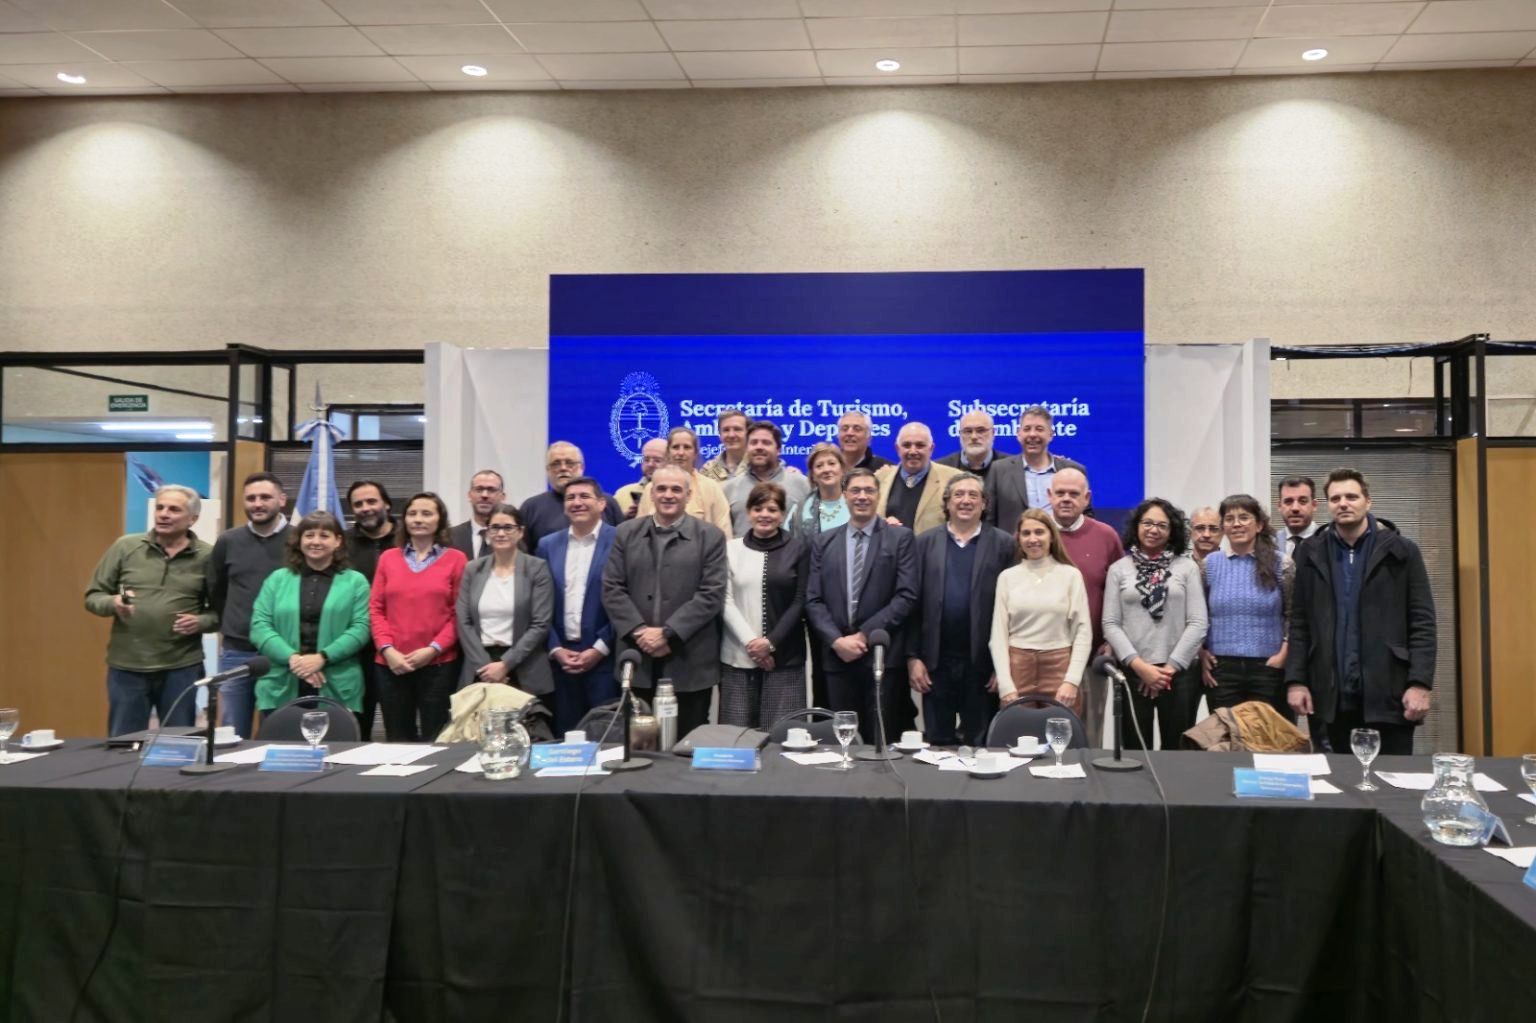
[(1027, 716), (603, 723), (282, 725), (816, 720)]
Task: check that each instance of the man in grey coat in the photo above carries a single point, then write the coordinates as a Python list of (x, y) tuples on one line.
[(664, 590)]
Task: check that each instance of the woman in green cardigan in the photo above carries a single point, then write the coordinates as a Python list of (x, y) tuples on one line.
[(311, 619)]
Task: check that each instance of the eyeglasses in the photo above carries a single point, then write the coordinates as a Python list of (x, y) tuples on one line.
[(1155, 527), (504, 528), (564, 463), (1206, 529), (1239, 519)]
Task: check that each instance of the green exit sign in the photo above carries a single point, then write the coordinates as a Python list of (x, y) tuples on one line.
[(127, 403)]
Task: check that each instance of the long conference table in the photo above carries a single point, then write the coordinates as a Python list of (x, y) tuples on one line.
[(790, 894)]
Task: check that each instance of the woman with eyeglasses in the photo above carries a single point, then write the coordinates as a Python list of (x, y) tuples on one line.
[(1155, 621), (506, 603), (1248, 598)]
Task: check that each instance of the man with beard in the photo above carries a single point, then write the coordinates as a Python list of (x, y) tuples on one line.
[(1024, 480), (242, 559), (544, 513), (976, 454), (486, 491), (1298, 504), (764, 440), (372, 533)]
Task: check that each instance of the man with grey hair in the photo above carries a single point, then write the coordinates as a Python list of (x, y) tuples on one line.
[(544, 513), (154, 586), (1204, 532), (976, 454), (912, 493), (853, 432), (653, 455), (1024, 480)]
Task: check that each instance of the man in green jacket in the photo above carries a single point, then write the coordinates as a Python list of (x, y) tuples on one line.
[(154, 587)]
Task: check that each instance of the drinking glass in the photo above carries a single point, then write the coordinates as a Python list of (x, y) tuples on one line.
[(1366, 742), (846, 724), (1058, 732), (1527, 771), (10, 717), (314, 724)]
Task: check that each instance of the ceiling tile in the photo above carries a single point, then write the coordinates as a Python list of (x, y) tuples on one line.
[(1449, 65), (14, 19), (1031, 29), (589, 37), (494, 85), (1167, 26), (183, 73), (1339, 19), (211, 90), (41, 48), (430, 39), (746, 64), (609, 67), (323, 70), (411, 12), (82, 15), (609, 84), (874, 8), (851, 33), (1286, 53), (175, 44), (1112, 76), (1477, 16), (1463, 46), (125, 90), (936, 60), (364, 87), (1188, 56), (499, 67), (736, 34), (756, 83), (300, 42), (568, 10), (661, 9), (1061, 76), (45, 76), (1027, 7), (907, 80), (1005, 60), (260, 13), (1336, 69)]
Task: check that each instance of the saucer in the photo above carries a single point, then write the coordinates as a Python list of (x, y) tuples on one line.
[(1039, 751), (909, 749), (35, 747), (800, 747), (222, 743), (976, 772)]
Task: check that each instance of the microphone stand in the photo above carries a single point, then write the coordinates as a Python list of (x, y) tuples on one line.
[(627, 712), (1118, 762), (880, 752), (208, 766)]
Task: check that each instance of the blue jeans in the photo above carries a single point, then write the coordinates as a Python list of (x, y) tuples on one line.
[(237, 698), (131, 694)]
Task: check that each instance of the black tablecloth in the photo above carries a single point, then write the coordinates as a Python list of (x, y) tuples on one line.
[(793, 893)]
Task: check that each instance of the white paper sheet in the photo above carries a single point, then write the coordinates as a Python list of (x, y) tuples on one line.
[(17, 758), (471, 766), (812, 759), (969, 764), (933, 756), (395, 770), (570, 772), (1520, 857), (614, 753), (1064, 771), (1528, 797), (1292, 763), (1422, 782), (253, 755), (375, 753), (1322, 788)]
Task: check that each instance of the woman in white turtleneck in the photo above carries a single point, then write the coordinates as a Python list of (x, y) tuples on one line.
[(1042, 630)]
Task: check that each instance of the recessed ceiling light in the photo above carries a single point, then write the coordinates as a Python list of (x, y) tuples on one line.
[(473, 70), (887, 65), (65, 76), (1317, 54)]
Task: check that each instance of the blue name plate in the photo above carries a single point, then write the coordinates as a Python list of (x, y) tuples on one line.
[(1491, 825), (725, 758), (562, 754), (1250, 783), (174, 751), (296, 759), (1530, 875)]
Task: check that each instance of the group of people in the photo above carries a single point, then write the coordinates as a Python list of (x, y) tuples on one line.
[(989, 573)]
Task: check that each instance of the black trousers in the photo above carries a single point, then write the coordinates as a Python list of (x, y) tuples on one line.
[(959, 690), (371, 689), (852, 687), (1396, 740), (819, 695), (1175, 709), (416, 704), (1240, 679), (692, 708)]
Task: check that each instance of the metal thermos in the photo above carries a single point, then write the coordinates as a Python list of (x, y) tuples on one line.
[(666, 714)]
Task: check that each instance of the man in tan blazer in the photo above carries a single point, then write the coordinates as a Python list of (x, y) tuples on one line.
[(706, 500), (912, 491)]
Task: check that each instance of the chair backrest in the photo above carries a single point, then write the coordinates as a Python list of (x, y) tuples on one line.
[(1027, 716), (816, 720), (282, 725)]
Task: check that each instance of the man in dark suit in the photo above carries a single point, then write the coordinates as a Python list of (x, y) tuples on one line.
[(948, 660), (664, 590), (863, 578), (1362, 642), (1024, 480), (976, 454), (486, 491), (580, 637)]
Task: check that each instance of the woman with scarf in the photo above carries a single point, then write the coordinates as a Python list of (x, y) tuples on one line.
[(763, 647), (1155, 621)]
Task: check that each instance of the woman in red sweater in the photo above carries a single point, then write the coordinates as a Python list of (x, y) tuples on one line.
[(415, 591)]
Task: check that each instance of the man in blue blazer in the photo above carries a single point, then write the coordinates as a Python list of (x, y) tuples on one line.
[(863, 578), (580, 637)]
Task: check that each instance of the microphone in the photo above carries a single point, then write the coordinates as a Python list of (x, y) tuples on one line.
[(879, 640), (256, 666), (628, 661), (1105, 665)]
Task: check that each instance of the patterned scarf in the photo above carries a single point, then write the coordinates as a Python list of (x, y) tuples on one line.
[(1152, 580)]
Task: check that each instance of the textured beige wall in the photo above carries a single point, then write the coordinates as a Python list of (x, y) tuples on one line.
[(1308, 209)]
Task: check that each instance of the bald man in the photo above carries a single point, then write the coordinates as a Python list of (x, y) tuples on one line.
[(976, 454), (912, 491), (544, 513), (653, 454), (1093, 547), (1204, 532)]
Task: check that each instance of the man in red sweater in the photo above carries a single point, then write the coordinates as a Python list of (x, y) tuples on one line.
[(1093, 547)]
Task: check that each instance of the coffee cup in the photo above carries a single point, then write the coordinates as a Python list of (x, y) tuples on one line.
[(575, 735), (799, 737), (1029, 744), (39, 737), (911, 738), (989, 761), (225, 733)]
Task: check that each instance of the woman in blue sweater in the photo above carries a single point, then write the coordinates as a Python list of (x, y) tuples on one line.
[(1248, 599)]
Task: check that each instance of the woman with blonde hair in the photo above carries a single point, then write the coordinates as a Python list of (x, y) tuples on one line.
[(824, 508), (1042, 630)]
